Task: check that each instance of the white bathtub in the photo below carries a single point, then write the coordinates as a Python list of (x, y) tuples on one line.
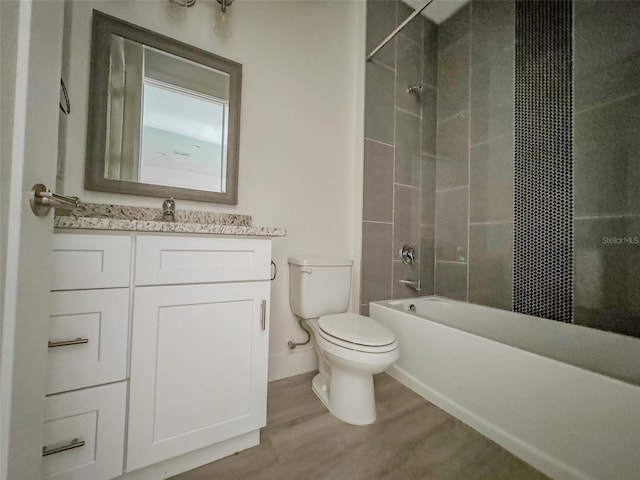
[(564, 398)]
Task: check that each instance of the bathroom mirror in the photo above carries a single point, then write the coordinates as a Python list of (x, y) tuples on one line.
[(164, 116)]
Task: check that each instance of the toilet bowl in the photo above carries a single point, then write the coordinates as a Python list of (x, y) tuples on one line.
[(344, 342), (351, 348)]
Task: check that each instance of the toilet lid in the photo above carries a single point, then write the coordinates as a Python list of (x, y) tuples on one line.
[(356, 329)]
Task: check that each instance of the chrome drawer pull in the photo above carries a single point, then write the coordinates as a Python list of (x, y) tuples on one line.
[(66, 343), (75, 443)]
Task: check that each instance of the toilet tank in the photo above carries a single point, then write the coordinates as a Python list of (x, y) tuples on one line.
[(319, 286)]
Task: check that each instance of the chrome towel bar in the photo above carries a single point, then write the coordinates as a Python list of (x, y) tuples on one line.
[(42, 199)]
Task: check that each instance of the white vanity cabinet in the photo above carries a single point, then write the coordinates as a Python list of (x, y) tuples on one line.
[(192, 316)]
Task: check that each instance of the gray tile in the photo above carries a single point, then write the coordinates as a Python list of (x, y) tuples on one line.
[(405, 272), (427, 258), (378, 182), (493, 97), (607, 284), (452, 169), (413, 30), (451, 223), (430, 53), (606, 153), (491, 181), (453, 80), (364, 310), (429, 120), (491, 265), (379, 103), (406, 217), (409, 73), (381, 21), (428, 191), (493, 27), (607, 51), (451, 280), (454, 28), (407, 149), (376, 262)]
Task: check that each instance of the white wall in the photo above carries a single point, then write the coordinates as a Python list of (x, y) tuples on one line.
[(301, 125)]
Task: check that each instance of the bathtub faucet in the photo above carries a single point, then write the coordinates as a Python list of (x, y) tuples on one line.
[(412, 285)]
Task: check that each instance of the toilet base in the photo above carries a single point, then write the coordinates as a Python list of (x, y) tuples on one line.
[(321, 389), (345, 381), (354, 400)]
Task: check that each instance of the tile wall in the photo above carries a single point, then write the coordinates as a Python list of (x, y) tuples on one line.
[(439, 168), (606, 165), (452, 165), (474, 170), (399, 151)]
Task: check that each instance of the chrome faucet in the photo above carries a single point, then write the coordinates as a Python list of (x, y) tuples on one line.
[(408, 254), (408, 257), (416, 286), (169, 210)]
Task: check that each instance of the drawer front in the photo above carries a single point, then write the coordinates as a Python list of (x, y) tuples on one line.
[(173, 260), (88, 331), (95, 416), (90, 261)]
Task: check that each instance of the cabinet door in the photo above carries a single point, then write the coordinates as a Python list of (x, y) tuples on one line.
[(198, 367)]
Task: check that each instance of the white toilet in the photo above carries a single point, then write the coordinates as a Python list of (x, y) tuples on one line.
[(351, 348)]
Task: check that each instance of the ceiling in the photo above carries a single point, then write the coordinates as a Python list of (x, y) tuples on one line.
[(439, 10)]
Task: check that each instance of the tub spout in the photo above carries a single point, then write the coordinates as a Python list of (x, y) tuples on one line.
[(412, 285)]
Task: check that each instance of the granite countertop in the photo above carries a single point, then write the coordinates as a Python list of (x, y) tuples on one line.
[(95, 216)]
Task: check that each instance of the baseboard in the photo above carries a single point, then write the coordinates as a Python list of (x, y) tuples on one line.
[(291, 363), (551, 466)]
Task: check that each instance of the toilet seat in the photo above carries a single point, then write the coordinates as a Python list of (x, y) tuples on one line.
[(356, 332)]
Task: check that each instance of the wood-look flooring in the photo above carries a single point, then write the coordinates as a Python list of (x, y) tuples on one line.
[(411, 439)]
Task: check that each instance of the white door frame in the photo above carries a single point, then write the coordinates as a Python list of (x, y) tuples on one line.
[(26, 285)]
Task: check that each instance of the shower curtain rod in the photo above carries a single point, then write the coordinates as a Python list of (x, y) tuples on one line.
[(400, 27)]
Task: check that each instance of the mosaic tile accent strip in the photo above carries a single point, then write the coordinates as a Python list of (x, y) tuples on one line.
[(543, 193)]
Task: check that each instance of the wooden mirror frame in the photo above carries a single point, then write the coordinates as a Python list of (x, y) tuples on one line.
[(103, 27)]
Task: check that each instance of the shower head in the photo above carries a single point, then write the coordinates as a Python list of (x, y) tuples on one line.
[(417, 89)]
